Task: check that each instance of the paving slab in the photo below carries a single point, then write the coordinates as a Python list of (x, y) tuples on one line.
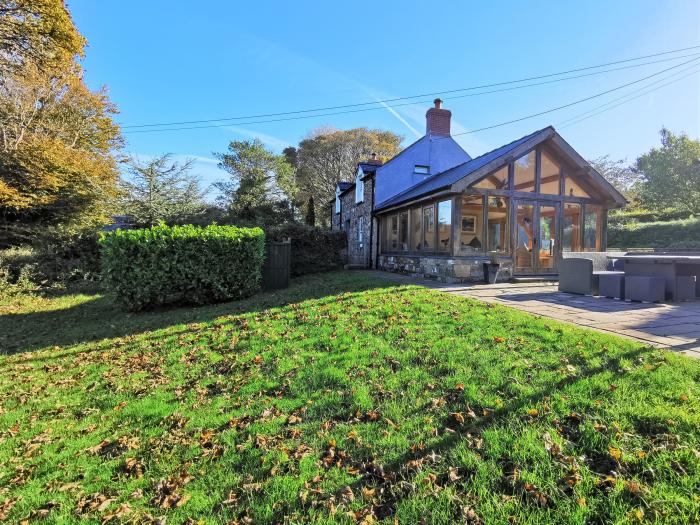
[(674, 326)]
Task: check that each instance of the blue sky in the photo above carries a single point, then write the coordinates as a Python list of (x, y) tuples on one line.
[(167, 61)]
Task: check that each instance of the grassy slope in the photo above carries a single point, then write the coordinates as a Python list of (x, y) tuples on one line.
[(389, 403), (669, 234)]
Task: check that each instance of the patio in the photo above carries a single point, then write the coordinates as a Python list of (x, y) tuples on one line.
[(675, 326)]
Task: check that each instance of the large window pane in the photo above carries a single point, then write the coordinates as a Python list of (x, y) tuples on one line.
[(549, 175), (494, 181), (394, 233), (593, 228), (573, 189), (497, 226), (444, 226), (548, 237), (571, 240), (525, 172), (471, 226), (403, 231), (416, 229), (524, 238), (429, 228)]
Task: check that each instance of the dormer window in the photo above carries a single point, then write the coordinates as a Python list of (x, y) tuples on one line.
[(337, 199), (421, 170), (359, 187)]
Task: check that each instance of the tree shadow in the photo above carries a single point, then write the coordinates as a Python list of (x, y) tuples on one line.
[(89, 317)]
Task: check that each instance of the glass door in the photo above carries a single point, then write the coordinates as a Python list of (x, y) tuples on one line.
[(548, 239), (525, 240), (536, 237)]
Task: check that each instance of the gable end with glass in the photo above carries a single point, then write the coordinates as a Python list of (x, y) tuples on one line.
[(528, 205)]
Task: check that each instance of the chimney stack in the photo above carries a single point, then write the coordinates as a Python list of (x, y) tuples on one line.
[(437, 120), (374, 160)]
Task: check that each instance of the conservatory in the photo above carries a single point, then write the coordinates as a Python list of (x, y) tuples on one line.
[(525, 204)]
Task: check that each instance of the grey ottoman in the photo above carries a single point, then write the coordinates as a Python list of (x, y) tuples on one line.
[(685, 284), (645, 288), (612, 285)]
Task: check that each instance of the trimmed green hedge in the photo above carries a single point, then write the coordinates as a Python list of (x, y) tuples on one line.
[(313, 249), (181, 264)]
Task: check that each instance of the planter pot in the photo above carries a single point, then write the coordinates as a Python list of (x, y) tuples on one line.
[(491, 272)]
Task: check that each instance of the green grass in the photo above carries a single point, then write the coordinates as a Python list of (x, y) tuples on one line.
[(343, 399)]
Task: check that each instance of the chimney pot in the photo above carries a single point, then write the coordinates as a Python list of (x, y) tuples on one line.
[(438, 103)]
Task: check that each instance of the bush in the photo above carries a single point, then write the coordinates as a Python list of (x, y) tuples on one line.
[(313, 249), (181, 264)]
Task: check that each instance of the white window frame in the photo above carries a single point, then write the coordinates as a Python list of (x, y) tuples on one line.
[(359, 187), (421, 169), (361, 231), (337, 200)]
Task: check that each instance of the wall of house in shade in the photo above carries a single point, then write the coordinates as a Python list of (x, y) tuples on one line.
[(445, 269), (355, 219)]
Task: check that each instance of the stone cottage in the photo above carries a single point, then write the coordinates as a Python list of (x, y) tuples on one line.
[(435, 211)]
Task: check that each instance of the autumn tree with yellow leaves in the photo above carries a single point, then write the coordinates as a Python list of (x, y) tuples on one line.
[(57, 137)]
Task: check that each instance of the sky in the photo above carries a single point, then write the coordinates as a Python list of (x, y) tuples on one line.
[(176, 61)]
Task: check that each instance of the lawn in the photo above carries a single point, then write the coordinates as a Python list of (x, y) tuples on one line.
[(343, 399)]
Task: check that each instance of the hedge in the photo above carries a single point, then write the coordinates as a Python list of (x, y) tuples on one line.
[(181, 264), (313, 249)]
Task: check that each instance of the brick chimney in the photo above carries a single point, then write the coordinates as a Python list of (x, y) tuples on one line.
[(437, 120), (373, 159)]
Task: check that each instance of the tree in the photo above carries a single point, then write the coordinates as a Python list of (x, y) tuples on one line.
[(37, 31), (311, 212), (161, 190), (671, 174), (261, 186), (328, 156), (57, 137), (619, 174)]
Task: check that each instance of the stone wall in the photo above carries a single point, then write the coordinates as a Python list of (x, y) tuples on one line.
[(359, 253), (444, 269)]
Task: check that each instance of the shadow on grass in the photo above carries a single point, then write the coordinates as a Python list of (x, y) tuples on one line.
[(74, 319)]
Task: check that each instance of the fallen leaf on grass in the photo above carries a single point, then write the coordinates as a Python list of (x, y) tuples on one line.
[(615, 453)]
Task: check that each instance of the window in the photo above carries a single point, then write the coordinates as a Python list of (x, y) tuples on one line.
[(337, 200), (359, 187), (470, 230), (550, 174), (360, 231), (494, 181), (416, 230), (497, 229), (525, 173), (429, 228), (394, 233), (421, 170), (444, 226), (593, 228), (573, 189), (403, 231), (571, 235)]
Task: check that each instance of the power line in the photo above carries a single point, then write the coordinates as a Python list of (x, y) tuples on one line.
[(300, 117), (587, 116), (570, 104), (471, 88)]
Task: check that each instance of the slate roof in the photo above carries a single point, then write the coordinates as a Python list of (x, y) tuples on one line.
[(345, 186), (448, 177)]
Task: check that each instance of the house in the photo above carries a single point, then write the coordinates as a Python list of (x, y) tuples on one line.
[(435, 211)]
